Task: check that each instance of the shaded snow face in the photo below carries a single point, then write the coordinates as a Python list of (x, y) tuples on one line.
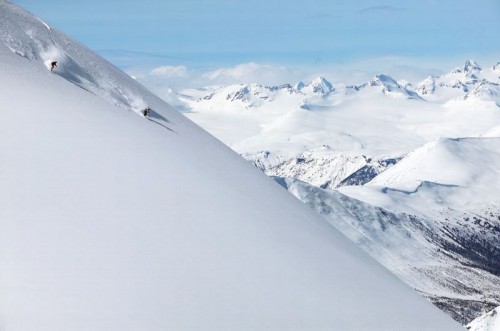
[(319, 86)]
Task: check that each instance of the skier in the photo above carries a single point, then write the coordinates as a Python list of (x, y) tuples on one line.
[(146, 111), (53, 65)]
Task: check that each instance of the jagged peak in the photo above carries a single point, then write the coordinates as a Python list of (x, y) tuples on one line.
[(383, 80), (321, 85), (278, 87), (427, 86), (470, 66), (496, 67), (240, 94), (321, 81), (484, 89), (390, 85)]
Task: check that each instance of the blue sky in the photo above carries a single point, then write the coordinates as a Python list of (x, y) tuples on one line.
[(308, 34)]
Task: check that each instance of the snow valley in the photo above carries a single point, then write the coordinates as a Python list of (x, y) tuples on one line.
[(407, 170), (111, 220)]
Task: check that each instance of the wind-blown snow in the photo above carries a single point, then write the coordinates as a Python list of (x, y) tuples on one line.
[(113, 221)]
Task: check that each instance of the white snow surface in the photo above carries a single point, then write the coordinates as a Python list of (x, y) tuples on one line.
[(111, 221), (447, 173), (382, 117), (488, 322)]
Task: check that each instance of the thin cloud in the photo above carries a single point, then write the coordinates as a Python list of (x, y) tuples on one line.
[(169, 71), (247, 72)]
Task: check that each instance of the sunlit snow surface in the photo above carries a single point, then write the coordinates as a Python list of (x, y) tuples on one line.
[(111, 221), (381, 117)]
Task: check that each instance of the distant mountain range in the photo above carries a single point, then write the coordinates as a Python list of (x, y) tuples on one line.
[(463, 82)]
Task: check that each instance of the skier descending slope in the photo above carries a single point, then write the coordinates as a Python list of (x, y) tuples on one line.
[(216, 246), (146, 111)]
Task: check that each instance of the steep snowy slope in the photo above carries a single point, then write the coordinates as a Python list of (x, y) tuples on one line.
[(488, 322), (112, 221), (450, 184), (452, 258), (461, 171)]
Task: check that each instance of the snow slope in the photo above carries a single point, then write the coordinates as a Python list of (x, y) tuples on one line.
[(451, 184), (111, 221), (451, 257), (488, 322), (461, 171)]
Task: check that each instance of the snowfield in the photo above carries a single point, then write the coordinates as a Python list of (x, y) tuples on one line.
[(113, 221), (380, 118)]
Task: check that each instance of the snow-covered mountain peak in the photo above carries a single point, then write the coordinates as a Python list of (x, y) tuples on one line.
[(299, 86), (384, 80), (457, 83), (392, 88), (496, 68), (242, 92), (469, 162), (319, 86), (469, 73), (485, 90), (427, 86), (471, 66)]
